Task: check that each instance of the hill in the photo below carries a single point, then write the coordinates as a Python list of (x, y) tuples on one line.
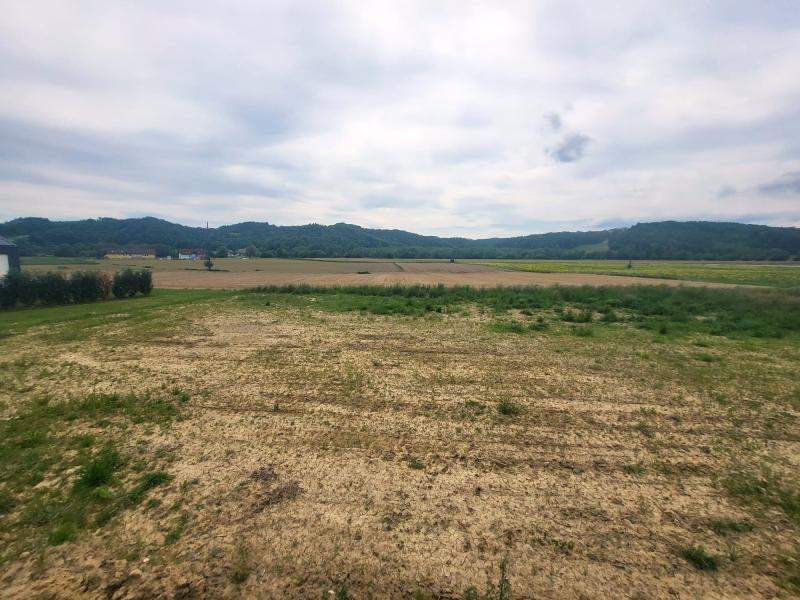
[(701, 240)]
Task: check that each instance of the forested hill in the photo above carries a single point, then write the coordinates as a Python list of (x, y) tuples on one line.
[(664, 240)]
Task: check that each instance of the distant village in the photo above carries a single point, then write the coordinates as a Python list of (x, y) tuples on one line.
[(180, 254)]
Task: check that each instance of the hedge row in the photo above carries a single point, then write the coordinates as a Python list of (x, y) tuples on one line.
[(26, 289)]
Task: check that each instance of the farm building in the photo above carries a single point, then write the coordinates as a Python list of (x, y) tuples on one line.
[(9, 256), (131, 253), (191, 253)]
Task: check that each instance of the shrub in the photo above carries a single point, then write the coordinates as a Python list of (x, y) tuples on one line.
[(105, 285)]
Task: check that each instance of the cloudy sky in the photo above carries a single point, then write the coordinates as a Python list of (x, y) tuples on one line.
[(448, 118)]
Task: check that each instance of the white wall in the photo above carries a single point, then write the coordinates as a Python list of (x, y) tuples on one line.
[(3, 264)]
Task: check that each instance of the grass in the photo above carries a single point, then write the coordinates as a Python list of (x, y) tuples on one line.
[(713, 272), (56, 260), (156, 314)]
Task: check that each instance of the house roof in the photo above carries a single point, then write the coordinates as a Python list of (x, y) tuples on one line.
[(5, 242)]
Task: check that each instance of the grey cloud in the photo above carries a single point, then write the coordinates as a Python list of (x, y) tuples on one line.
[(554, 121), (789, 183), (725, 191), (570, 149)]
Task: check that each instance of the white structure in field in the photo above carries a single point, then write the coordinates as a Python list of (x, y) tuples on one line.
[(9, 256)]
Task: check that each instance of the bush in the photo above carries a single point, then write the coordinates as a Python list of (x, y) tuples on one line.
[(85, 287), (9, 290), (126, 283), (52, 288), (24, 289), (145, 280)]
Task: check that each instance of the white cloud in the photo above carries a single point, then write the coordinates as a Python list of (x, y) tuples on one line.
[(429, 117)]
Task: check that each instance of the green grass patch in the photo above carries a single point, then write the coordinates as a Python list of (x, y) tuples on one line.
[(54, 485), (673, 310), (712, 272), (766, 490)]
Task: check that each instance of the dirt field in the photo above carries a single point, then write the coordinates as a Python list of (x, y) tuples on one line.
[(237, 274), (327, 451)]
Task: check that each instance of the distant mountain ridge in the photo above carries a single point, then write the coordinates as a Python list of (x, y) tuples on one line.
[(703, 240)]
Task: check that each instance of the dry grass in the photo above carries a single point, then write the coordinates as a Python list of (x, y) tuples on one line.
[(347, 451)]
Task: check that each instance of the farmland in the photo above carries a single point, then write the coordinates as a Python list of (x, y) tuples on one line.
[(235, 273), (386, 442)]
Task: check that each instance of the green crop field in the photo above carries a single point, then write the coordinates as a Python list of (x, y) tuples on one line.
[(783, 275)]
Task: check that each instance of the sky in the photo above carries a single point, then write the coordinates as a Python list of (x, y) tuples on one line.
[(474, 119)]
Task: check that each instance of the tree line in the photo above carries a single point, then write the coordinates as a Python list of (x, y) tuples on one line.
[(674, 240)]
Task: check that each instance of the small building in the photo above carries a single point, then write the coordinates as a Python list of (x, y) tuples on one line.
[(131, 253), (191, 253), (9, 256)]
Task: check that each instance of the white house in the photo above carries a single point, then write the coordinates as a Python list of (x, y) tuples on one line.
[(9, 256), (191, 253)]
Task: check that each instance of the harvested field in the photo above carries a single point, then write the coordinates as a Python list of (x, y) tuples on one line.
[(288, 445), (472, 275), (231, 273)]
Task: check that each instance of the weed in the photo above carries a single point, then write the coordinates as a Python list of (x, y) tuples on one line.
[(241, 569), (637, 468), (508, 327), (582, 331), (416, 463), (174, 534), (723, 527), (61, 534), (508, 408), (100, 470), (501, 592), (699, 558), (146, 482)]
